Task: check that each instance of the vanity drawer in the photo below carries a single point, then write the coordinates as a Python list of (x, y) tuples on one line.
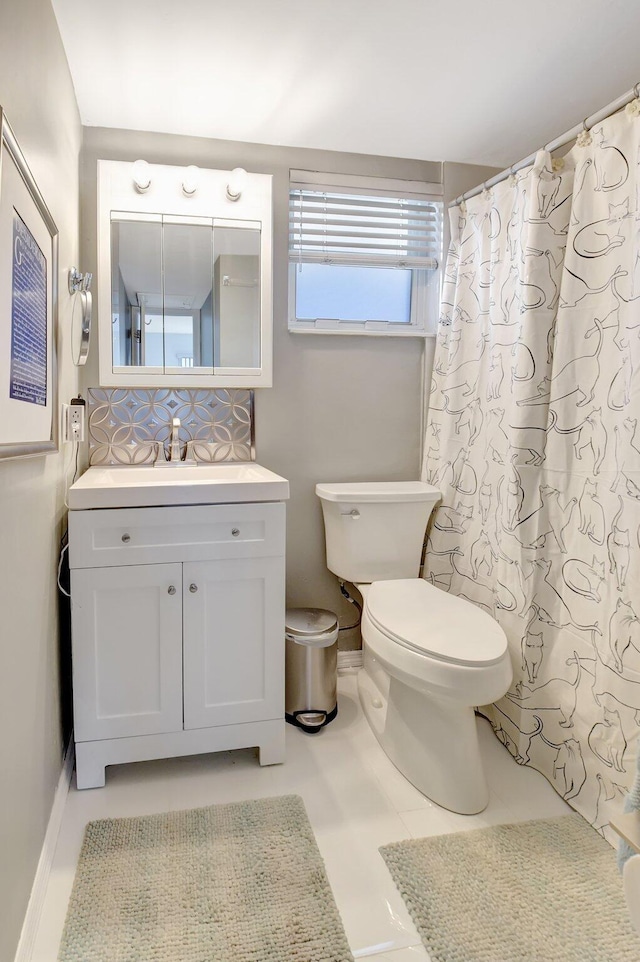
[(130, 536)]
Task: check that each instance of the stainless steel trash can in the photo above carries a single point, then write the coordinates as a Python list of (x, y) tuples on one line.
[(311, 636)]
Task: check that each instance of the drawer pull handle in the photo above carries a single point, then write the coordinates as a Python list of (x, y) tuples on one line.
[(193, 589), (126, 538), (235, 532), (171, 590)]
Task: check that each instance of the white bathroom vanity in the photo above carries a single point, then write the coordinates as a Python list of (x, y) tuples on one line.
[(178, 599)]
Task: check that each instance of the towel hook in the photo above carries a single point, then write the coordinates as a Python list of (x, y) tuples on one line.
[(79, 281)]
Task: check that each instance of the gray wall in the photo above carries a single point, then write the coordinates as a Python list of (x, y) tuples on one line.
[(342, 407), (37, 95)]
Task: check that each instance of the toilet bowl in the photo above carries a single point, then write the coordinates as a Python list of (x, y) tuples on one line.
[(429, 657), (443, 656)]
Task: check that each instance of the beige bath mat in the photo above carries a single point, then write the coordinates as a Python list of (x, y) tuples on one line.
[(541, 891), (243, 882)]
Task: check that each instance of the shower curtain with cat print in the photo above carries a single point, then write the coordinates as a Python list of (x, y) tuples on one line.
[(533, 439)]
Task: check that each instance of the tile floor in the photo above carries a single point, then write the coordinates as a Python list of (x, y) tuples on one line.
[(356, 801)]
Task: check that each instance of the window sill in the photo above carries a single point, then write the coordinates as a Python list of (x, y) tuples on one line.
[(360, 331)]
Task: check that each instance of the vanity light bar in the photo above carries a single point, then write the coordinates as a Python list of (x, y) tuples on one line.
[(191, 180)]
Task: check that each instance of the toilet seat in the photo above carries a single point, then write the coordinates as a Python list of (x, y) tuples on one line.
[(428, 621)]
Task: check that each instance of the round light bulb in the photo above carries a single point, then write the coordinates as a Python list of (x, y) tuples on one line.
[(141, 176), (191, 180), (236, 183)]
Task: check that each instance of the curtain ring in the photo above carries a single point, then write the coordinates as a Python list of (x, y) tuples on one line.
[(584, 138), (636, 90)]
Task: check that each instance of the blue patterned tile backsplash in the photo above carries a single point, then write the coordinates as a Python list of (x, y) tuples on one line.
[(125, 425)]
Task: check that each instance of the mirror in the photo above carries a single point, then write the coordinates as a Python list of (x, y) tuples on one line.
[(184, 321), (184, 280), (185, 297), (237, 297)]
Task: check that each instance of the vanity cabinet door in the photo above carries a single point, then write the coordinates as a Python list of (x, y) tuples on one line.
[(127, 650), (233, 641)]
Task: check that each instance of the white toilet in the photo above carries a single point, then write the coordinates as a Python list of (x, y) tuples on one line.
[(429, 657)]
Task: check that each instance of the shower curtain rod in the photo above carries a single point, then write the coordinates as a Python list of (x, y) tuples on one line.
[(560, 141)]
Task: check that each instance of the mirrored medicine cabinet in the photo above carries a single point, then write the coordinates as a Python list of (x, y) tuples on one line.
[(184, 282)]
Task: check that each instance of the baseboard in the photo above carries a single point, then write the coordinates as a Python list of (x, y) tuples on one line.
[(31, 922), (349, 659)]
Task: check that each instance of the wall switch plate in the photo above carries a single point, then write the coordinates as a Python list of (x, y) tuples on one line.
[(75, 420)]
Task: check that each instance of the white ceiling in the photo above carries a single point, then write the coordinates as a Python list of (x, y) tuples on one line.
[(480, 81)]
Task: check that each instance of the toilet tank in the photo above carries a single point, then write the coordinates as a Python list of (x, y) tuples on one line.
[(375, 530)]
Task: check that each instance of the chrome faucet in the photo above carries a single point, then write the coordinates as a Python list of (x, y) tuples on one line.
[(174, 446)]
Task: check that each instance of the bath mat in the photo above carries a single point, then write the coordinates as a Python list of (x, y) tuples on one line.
[(540, 891), (243, 882)]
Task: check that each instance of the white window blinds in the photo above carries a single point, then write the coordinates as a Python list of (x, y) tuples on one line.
[(366, 228)]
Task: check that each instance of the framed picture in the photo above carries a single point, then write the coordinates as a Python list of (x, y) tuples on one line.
[(28, 309)]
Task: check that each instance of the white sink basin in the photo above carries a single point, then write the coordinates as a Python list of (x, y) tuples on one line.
[(121, 486)]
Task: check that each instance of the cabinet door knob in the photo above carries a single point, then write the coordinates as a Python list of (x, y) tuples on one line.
[(193, 589), (235, 532), (171, 590), (126, 538)]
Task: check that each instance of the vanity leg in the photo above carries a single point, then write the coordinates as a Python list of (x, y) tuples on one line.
[(272, 745), (90, 772)]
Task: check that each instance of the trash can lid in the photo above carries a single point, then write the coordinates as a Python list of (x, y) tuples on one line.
[(303, 622)]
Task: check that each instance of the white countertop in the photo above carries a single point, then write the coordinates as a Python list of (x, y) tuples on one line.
[(133, 486)]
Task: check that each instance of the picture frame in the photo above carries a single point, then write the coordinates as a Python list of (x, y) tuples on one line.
[(28, 309)]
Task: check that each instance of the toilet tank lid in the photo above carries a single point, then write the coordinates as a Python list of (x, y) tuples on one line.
[(427, 619), (378, 491)]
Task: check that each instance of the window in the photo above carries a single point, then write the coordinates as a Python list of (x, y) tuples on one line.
[(363, 259)]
